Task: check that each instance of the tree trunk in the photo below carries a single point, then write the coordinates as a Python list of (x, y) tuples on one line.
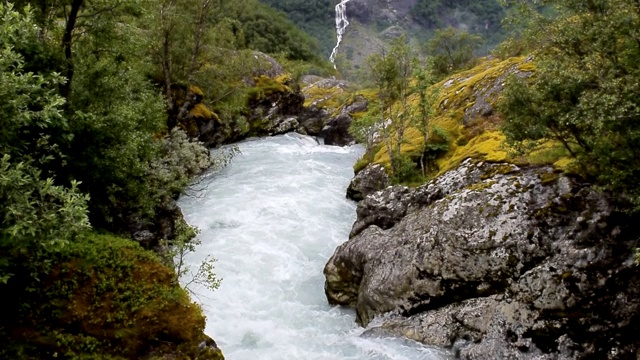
[(67, 40)]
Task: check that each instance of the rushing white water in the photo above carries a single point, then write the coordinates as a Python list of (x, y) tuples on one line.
[(341, 25), (272, 219)]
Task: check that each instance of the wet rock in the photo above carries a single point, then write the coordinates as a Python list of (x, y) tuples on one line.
[(281, 125)]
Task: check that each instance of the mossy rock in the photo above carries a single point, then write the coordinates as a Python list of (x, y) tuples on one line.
[(105, 297)]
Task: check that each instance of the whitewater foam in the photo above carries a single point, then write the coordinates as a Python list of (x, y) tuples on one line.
[(272, 219)]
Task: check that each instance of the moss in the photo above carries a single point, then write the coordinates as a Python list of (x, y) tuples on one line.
[(326, 98), (202, 111), (528, 66), (361, 164), (481, 186), (266, 86), (107, 297), (481, 140), (547, 152), (502, 169), (549, 178), (488, 146), (196, 90)]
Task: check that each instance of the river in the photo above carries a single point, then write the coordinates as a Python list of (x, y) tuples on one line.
[(272, 219)]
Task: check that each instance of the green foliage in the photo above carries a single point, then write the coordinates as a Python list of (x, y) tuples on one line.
[(270, 31), (316, 19), (95, 296), (477, 15), (31, 109), (421, 120), (104, 297), (36, 215), (584, 92), (391, 73), (406, 170), (451, 50), (115, 116)]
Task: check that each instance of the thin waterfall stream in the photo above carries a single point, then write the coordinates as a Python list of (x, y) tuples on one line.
[(341, 26), (272, 218)]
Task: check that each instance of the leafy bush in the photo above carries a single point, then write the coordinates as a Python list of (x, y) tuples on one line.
[(584, 92), (36, 216)]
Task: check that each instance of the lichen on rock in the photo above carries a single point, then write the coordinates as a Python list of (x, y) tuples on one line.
[(494, 261)]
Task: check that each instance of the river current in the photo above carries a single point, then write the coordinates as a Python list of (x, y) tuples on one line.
[(273, 218)]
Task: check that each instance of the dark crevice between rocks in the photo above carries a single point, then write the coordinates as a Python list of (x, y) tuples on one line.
[(545, 339), (453, 294)]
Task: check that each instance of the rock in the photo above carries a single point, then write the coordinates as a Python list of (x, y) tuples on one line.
[(486, 96), (360, 104), (265, 65), (336, 132), (494, 262), (312, 121), (282, 125), (328, 83), (392, 32), (310, 79), (276, 112), (149, 232), (371, 179)]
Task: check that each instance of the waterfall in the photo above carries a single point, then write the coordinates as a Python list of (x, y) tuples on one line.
[(341, 25)]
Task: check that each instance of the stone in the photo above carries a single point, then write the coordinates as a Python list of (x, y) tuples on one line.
[(492, 262), (371, 179), (336, 131)]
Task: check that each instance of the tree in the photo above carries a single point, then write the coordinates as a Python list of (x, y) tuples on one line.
[(391, 72), (584, 92), (365, 129), (451, 50), (421, 119)]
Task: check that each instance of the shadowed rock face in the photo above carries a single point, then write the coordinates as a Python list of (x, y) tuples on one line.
[(494, 261)]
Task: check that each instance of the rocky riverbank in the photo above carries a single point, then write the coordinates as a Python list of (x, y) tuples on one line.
[(494, 261)]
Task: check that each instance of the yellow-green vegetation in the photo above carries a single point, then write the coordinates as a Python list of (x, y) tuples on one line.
[(105, 297), (199, 112), (480, 138), (325, 97), (266, 86), (202, 111)]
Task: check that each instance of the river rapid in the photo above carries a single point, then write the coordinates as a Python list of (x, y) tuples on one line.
[(272, 218)]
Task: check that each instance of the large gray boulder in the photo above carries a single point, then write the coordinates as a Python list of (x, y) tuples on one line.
[(494, 261), (336, 131), (371, 179)]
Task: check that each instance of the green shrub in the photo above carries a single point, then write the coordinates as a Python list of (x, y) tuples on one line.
[(105, 297)]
